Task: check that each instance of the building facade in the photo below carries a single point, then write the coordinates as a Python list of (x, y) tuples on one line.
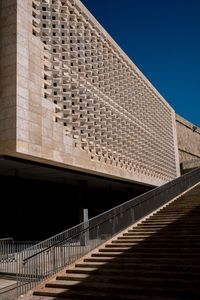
[(70, 97)]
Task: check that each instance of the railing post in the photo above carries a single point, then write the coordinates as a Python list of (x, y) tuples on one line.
[(54, 259), (132, 214), (113, 225)]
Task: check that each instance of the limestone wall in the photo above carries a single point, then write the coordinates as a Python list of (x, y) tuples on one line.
[(188, 140), (7, 76), (82, 103)]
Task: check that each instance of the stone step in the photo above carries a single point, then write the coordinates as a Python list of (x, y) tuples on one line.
[(164, 214), (104, 283), (142, 230), (170, 223), (161, 221), (175, 218), (159, 236), (164, 217), (162, 235), (179, 208), (156, 244), (83, 272), (159, 253), (127, 265), (90, 264), (154, 241), (133, 239), (164, 242), (107, 257), (172, 287), (98, 259), (164, 230), (138, 234), (91, 295), (129, 252), (166, 248), (123, 279), (192, 245), (157, 226), (150, 226)]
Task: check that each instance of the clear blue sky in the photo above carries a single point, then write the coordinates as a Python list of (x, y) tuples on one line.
[(162, 37)]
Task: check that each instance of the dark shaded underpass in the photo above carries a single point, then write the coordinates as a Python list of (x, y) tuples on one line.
[(38, 201)]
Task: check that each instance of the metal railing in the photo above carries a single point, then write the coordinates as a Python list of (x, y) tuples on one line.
[(48, 257), (8, 254)]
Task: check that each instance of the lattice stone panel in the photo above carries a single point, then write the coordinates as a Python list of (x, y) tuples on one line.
[(111, 111)]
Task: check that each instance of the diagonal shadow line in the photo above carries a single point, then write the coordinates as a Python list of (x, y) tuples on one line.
[(165, 265)]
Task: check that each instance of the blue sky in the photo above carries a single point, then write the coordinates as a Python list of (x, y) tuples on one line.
[(162, 37)]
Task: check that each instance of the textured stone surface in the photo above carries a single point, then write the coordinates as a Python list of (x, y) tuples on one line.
[(81, 102), (189, 165), (7, 76), (188, 140)]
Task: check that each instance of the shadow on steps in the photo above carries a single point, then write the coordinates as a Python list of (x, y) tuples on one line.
[(165, 265)]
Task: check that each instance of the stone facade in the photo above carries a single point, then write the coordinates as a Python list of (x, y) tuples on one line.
[(8, 47), (78, 101), (188, 140)]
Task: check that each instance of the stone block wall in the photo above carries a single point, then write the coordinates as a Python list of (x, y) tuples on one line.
[(188, 140), (80, 101), (8, 16)]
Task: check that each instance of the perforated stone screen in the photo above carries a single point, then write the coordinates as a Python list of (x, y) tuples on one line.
[(103, 101)]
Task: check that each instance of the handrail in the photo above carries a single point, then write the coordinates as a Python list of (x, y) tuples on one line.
[(103, 214), (91, 227), (51, 255), (7, 239), (9, 250), (142, 197), (54, 245)]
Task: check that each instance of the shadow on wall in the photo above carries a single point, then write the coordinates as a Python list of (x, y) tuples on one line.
[(188, 166)]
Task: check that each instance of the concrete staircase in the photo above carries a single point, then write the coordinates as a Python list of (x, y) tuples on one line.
[(159, 259)]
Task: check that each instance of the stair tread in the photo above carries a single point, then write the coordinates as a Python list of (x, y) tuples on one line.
[(90, 263), (142, 259), (161, 282), (65, 294), (77, 275), (144, 247), (127, 288), (85, 269), (154, 252), (136, 265), (124, 273)]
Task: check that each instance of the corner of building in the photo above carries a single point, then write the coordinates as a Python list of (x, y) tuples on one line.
[(8, 19), (188, 136)]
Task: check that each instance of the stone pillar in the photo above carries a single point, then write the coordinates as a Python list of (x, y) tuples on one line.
[(81, 193)]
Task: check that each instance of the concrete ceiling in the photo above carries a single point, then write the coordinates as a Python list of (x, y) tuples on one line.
[(10, 166)]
